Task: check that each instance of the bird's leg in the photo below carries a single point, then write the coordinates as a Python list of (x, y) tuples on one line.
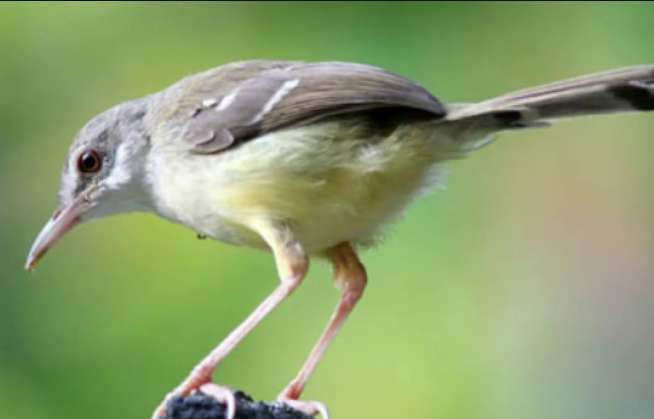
[(292, 265), (350, 277)]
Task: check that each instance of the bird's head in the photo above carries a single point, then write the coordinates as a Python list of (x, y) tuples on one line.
[(103, 174)]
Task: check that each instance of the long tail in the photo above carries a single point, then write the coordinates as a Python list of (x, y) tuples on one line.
[(624, 90)]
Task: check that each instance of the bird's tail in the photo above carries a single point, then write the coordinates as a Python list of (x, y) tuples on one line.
[(624, 90)]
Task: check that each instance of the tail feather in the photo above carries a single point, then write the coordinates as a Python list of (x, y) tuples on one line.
[(617, 91)]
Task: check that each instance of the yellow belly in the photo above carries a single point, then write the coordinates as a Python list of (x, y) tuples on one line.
[(332, 183)]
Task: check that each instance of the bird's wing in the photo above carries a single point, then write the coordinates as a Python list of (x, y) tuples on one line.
[(282, 95)]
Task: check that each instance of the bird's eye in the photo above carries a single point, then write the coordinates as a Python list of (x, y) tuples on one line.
[(89, 162)]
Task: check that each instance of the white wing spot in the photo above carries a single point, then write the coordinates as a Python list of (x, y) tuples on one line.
[(227, 100), (276, 98), (209, 103)]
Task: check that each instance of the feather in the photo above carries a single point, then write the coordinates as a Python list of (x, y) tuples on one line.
[(284, 95), (618, 91)]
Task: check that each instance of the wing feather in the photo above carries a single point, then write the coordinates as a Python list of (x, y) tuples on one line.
[(239, 102)]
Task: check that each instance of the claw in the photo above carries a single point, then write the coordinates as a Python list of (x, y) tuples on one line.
[(224, 395), (311, 408)]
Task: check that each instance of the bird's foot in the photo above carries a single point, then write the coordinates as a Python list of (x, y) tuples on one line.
[(222, 394), (290, 397), (311, 408)]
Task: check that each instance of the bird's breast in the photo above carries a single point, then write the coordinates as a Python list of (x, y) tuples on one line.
[(331, 186)]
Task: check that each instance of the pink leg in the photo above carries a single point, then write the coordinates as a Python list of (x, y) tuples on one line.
[(292, 265), (350, 276)]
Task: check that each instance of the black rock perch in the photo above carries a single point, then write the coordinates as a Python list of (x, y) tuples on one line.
[(199, 406)]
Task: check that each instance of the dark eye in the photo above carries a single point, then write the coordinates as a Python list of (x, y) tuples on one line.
[(89, 162)]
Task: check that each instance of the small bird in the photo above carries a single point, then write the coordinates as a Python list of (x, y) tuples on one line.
[(300, 159)]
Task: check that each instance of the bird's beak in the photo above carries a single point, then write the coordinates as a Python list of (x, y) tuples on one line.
[(63, 220)]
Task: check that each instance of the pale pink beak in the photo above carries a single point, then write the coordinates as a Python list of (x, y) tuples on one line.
[(63, 220)]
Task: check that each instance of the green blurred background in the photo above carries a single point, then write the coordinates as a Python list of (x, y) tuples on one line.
[(524, 290)]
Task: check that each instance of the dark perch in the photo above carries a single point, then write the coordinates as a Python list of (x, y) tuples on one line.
[(199, 406)]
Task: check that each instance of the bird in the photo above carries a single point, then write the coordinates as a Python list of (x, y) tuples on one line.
[(303, 160)]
